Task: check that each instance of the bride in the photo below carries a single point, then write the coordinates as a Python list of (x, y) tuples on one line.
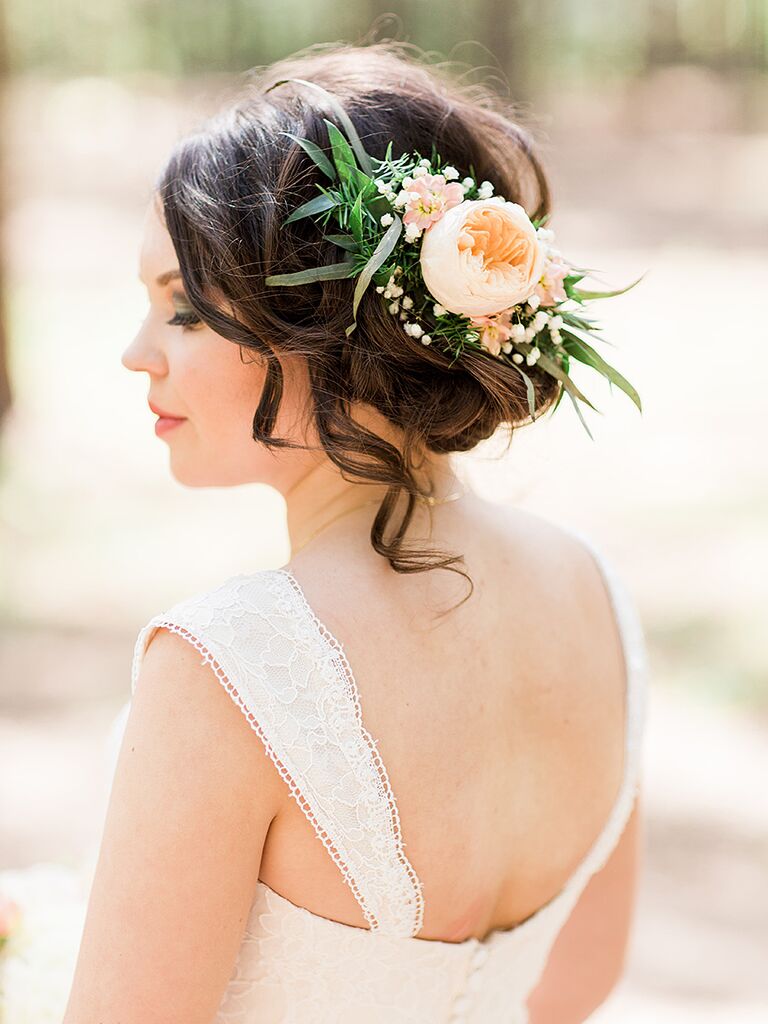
[(398, 778)]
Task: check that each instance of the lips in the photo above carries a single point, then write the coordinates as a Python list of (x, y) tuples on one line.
[(163, 414)]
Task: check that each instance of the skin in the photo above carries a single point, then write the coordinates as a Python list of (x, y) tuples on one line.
[(502, 737)]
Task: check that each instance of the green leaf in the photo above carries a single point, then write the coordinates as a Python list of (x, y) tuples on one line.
[(343, 156), (316, 205), (356, 219), (578, 293), (330, 272), (557, 371), (586, 354), (316, 153), (530, 393), (579, 414), (363, 158), (379, 255), (343, 241)]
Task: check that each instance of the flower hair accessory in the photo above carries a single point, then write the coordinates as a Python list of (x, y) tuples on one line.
[(460, 267)]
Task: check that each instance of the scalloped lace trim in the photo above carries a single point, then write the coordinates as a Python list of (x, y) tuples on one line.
[(293, 786), (343, 666)]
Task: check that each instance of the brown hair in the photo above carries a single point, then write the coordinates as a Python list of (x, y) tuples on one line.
[(225, 191)]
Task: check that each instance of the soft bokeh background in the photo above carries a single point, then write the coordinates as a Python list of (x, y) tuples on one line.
[(653, 122)]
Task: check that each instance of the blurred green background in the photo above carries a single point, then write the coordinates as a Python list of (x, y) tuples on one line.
[(652, 120)]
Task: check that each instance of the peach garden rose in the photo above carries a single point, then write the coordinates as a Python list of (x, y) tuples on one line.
[(481, 257)]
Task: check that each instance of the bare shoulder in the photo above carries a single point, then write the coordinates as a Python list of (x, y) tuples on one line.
[(180, 703)]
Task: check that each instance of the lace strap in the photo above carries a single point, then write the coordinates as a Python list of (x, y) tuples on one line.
[(636, 709), (292, 681)]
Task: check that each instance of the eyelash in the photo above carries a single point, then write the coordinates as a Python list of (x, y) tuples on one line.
[(184, 320)]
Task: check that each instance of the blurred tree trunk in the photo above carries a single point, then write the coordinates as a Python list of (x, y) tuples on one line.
[(5, 381)]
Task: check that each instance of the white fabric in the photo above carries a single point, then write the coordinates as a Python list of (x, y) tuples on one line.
[(292, 681)]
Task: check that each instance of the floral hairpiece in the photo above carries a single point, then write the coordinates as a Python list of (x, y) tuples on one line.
[(485, 276)]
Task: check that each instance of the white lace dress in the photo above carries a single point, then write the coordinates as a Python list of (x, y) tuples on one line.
[(291, 679)]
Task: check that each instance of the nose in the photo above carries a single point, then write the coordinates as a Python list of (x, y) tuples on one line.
[(143, 354)]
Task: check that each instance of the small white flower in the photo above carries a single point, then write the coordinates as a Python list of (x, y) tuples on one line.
[(403, 315), (540, 320), (402, 198), (518, 331), (530, 333), (425, 161), (426, 339), (420, 171), (555, 322), (545, 234), (517, 358), (415, 330), (381, 185), (407, 302), (386, 220), (439, 310), (534, 302), (450, 172), (556, 337), (394, 307), (533, 356), (506, 348), (398, 271), (486, 190), (412, 232), (391, 196), (467, 183), (407, 181), (388, 293), (396, 291), (379, 288)]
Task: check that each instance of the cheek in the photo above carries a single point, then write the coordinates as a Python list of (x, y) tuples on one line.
[(228, 390)]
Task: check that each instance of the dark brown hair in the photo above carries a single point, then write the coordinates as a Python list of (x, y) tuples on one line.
[(225, 191)]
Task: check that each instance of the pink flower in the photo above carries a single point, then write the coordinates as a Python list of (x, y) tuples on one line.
[(431, 196), (494, 330), (550, 288)]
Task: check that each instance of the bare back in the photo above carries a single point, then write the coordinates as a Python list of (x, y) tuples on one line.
[(501, 725)]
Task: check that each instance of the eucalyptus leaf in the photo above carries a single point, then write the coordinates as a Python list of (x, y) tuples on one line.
[(530, 393), (330, 272), (308, 209), (344, 242), (378, 257), (315, 152)]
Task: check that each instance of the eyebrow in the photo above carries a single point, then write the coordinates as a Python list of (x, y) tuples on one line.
[(169, 275)]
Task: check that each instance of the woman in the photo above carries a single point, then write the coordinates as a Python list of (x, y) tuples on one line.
[(449, 699)]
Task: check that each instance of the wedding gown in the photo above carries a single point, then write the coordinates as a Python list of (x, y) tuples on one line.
[(291, 678)]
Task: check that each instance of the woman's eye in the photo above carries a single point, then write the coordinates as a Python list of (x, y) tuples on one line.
[(185, 316)]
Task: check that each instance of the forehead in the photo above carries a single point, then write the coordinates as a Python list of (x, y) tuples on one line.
[(157, 253)]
